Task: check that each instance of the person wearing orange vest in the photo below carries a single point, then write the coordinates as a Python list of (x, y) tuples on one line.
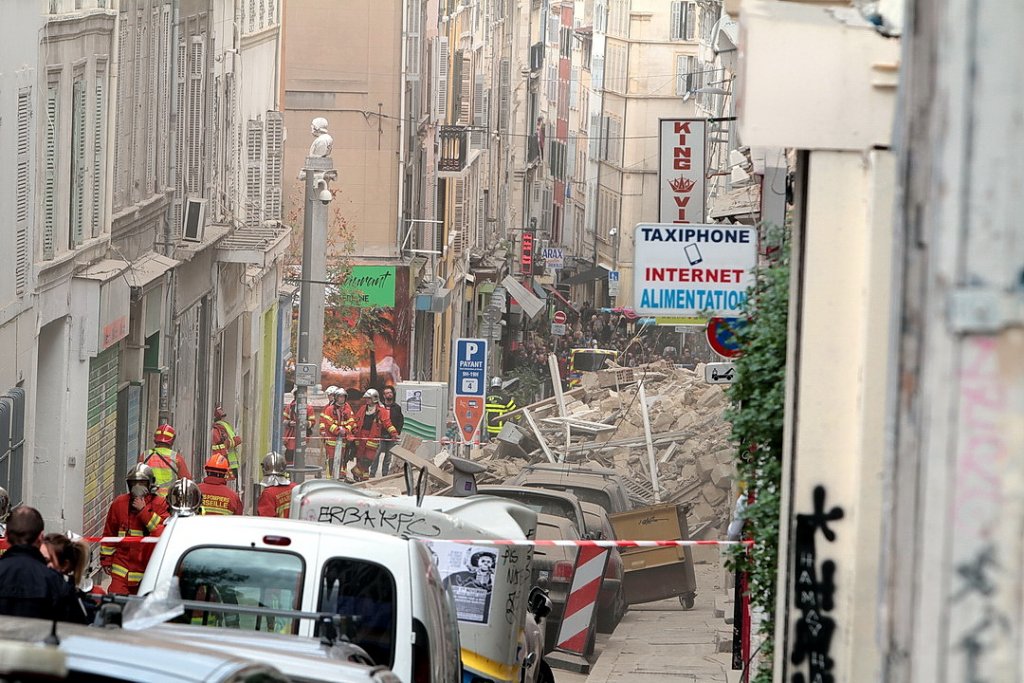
[(136, 514), (225, 441), (218, 498), (276, 499), (373, 423), (167, 464), (336, 422)]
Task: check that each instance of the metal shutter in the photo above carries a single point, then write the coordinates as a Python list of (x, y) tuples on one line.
[(100, 440), (23, 189), (78, 170), (99, 168), (441, 80), (253, 172), (275, 157), (51, 135)]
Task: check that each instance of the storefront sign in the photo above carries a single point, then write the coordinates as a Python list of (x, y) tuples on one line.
[(681, 171), (526, 253), (370, 286)]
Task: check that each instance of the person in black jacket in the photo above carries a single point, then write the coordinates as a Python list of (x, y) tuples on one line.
[(397, 419), (28, 588)]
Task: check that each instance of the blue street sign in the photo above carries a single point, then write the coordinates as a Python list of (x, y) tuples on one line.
[(471, 367)]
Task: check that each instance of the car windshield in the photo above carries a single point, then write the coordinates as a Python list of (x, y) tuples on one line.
[(590, 361), (242, 576), (595, 496), (365, 593), (540, 503)]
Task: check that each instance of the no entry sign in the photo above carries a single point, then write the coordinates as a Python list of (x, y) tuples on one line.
[(559, 318)]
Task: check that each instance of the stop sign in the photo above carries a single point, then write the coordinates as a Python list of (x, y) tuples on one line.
[(559, 318)]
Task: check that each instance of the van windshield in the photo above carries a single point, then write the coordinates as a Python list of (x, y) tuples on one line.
[(364, 592), (242, 576)]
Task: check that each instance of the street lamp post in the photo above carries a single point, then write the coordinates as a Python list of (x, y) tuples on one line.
[(318, 172)]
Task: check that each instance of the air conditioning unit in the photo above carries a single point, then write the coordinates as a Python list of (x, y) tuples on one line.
[(193, 220)]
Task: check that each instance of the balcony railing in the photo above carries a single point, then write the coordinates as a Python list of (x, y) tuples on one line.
[(454, 149), (56, 7)]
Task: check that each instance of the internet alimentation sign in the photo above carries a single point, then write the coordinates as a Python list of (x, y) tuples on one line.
[(692, 270)]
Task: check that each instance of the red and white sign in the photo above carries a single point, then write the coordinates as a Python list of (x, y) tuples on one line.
[(559, 318), (693, 271), (526, 253), (681, 171), (579, 608)]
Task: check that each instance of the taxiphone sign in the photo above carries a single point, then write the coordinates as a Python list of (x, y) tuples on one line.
[(693, 270)]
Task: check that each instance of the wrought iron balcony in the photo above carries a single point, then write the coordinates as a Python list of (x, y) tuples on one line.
[(454, 149)]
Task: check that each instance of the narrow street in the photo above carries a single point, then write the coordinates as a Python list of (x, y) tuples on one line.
[(660, 642)]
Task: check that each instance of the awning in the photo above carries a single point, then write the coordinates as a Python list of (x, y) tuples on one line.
[(149, 267), (586, 276), (558, 295), (539, 291), (531, 304)]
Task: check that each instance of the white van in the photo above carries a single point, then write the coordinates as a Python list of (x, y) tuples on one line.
[(490, 584), (387, 589)]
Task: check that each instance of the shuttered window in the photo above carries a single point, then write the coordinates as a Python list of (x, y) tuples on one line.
[(51, 135), (179, 152), (412, 43), (23, 190), (504, 89), (100, 439), (122, 127), (441, 80), (196, 115), (253, 172), (78, 162), (153, 87), (99, 170), (683, 22), (163, 106), (274, 160)]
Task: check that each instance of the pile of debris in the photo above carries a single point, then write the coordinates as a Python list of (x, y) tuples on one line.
[(602, 423)]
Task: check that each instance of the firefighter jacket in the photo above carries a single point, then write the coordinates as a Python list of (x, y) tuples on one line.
[(497, 406), (218, 499), (225, 442), (370, 429), (128, 560), (168, 467), (275, 501), (290, 425), (336, 422)]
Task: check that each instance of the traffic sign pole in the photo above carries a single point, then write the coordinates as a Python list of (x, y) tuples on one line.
[(470, 372)]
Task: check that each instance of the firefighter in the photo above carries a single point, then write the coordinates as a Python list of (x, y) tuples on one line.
[(336, 422), (276, 498), (218, 497), (291, 421), (5, 511), (185, 499), (372, 424), (498, 405), (167, 464), (136, 514), (225, 441)]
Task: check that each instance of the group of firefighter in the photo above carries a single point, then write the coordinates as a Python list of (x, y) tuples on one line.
[(348, 435)]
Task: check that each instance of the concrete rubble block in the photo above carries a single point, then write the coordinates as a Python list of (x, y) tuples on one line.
[(684, 418), (714, 397), (713, 494), (701, 512), (705, 463), (722, 476), (688, 472), (663, 423)]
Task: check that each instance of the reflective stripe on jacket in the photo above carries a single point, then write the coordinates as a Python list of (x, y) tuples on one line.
[(218, 498), (225, 442), (129, 560), (168, 466), (497, 406)]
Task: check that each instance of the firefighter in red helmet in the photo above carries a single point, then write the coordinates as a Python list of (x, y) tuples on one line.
[(167, 464)]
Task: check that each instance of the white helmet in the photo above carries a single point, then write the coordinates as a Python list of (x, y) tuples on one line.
[(274, 473), (371, 395), (331, 390), (185, 498), (495, 382)]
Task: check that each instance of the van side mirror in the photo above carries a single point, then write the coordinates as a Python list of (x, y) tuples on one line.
[(538, 604)]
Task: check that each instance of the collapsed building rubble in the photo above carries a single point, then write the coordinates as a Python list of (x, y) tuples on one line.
[(601, 423)]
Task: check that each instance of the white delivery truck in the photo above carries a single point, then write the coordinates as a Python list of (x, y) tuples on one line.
[(490, 585)]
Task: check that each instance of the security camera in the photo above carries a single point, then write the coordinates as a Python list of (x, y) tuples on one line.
[(325, 196)]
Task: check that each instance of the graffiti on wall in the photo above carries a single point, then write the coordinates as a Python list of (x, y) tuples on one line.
[(814, 591)]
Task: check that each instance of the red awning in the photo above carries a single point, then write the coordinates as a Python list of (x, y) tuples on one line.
[(560, 297)]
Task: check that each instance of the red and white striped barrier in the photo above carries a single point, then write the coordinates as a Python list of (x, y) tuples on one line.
[(578, 619), (565, 543)]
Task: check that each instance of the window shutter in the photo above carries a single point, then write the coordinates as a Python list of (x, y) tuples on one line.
[(99, 170), (597, 72), (441, 80), (23, 190), (275, 156), (50, 170), (412, 57), (676, 24), (478, 138), (78, 147), (504, 88), (690, 25), (481, 219), (595, 136), (122, 125), (253, 172), (466, 90), (137, 123), (553, 20), (574, 88), (196, 118), (153, 88), (179, 152)]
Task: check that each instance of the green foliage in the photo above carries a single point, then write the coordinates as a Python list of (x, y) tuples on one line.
[(756, 415), (531, 379)]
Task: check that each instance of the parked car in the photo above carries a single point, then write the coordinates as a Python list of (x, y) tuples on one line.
[(389, 588), (546, 501), (303, 660), (553, 569), (611, 602), (115, 655), (592, 484)]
